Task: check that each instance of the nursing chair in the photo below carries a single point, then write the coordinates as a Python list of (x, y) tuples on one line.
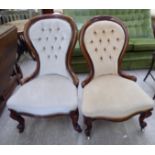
[(108, 93), (52, 88)]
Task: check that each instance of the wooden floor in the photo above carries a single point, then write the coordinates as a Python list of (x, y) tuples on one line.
[(59, 130)]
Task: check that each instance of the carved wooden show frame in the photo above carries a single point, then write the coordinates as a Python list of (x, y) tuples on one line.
[(88, 120), (73, 114)]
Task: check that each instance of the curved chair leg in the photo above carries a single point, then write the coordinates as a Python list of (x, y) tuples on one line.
[(75, 116), (88, 123), (21, 126), (144, 115)]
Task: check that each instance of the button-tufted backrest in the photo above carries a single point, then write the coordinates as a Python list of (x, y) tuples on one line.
[(104, 40), (51, 37)]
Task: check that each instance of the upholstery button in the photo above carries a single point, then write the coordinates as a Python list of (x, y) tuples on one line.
[(42, 29), (117, 39), (114, 48), (59, 47), (96, 49), (95, 32), (101, 58), (100, 40), (62, 38), (48, 56), (103, 31), (55, 38), (56, 56), (108, 40), (58, 29), (91, 41), (50, 29), (46, 38), (104, 49), (110, 57), (52, 47), (112, 31), (44, 48), (39, 39)]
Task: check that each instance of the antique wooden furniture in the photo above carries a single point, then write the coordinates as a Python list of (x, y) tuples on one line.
[(47, 11), (141, 38), (53, 86), (18, 18), (19, 25), (13, 15), (22, 47), (108, 93), (8, 49)]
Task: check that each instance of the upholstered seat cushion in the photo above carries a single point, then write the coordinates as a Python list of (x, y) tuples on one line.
[(112, 96), (45, 95)]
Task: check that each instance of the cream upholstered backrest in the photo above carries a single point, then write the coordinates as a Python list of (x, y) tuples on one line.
[(51, 38), (104, 41)]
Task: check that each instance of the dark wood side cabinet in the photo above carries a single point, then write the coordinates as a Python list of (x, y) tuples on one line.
[(8, 49)]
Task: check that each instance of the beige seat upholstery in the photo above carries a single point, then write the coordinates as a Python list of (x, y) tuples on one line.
[(108, 93), (53, 87), (112, 96), (45, 95)]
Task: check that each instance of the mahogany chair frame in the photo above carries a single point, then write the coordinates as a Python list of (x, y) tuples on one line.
[(74, 115), (88, 120)]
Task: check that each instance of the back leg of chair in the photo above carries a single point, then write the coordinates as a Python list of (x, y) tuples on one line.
[(14, 115), (143, 116), (88, 123), (75, 116)]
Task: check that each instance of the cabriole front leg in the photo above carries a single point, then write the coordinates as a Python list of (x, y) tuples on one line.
[(88, 123), (75, 116), (142, 117), (14, 115)]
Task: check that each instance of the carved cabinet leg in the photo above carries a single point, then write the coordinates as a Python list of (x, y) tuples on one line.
[(75, 116), (88, 123), (21, 126), (144, 115)]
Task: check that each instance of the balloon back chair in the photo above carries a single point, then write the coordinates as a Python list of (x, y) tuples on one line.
[(108, 93), (52, 87)]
